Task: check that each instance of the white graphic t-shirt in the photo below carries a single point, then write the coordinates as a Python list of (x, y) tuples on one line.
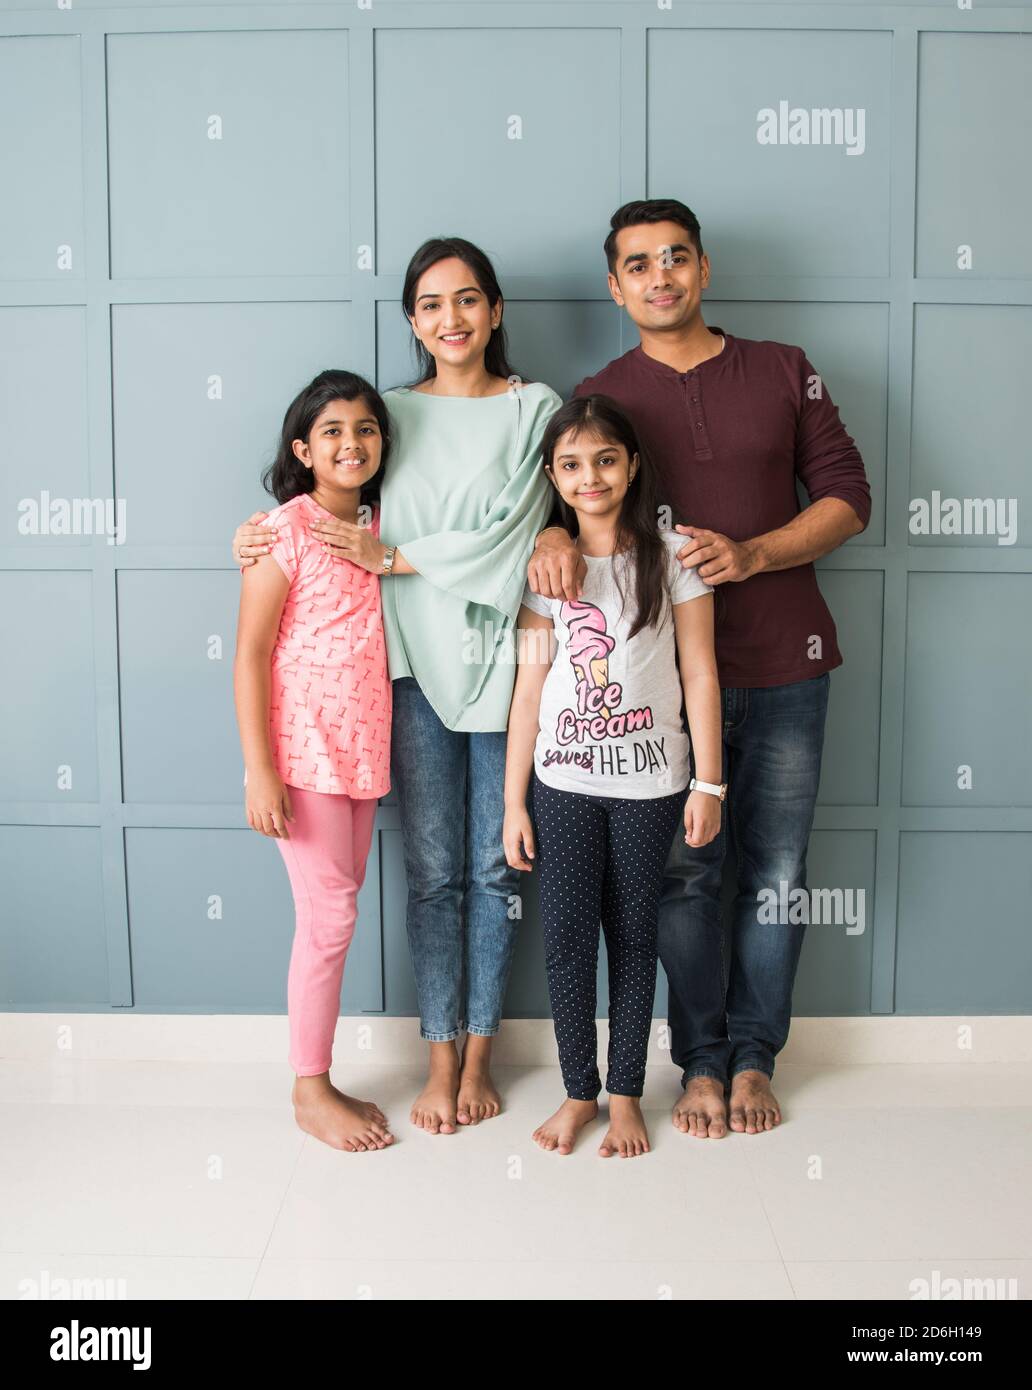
[(610, 720)]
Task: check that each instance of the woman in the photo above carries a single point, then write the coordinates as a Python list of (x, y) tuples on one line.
[(460, 510)]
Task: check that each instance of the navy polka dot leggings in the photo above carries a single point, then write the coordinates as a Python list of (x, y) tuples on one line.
[(601, 858)]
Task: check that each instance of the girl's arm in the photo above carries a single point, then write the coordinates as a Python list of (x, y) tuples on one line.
[(696, 657), (263, 591), (535, 635)]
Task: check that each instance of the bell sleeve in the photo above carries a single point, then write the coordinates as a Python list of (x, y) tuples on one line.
[(488, 566)]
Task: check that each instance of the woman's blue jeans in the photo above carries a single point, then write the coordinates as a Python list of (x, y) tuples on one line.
[(463, 898)]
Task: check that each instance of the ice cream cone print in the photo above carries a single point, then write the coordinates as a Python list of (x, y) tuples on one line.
[(589, 644), (600, 676)]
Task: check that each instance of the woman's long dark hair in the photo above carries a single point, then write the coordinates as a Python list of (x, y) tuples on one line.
[(287, 476), (637, 530), (496, 354)]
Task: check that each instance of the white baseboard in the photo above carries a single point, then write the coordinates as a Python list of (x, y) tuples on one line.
[(521, 1042)]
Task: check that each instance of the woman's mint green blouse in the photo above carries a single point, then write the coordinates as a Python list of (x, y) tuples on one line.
[(464, 496)]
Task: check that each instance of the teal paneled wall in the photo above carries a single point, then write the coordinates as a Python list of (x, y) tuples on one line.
[(204, 205)]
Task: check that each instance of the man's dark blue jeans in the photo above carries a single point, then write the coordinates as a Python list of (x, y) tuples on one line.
[(773, 738)]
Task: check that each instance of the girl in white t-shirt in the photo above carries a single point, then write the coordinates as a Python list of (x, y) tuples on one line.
[(596, 726)]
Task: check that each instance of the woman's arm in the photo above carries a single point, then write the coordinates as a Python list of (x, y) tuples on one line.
[(264, 588), (535, 635), (357, 544), (696, 657)]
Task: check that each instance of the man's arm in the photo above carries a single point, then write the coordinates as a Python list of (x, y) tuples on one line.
[(821, 528), (828, 464), (556, 568)]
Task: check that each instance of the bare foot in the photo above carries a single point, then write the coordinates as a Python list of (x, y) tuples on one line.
[(753, 1105), (477, 1098), (561, 1129), (338, 1120), (626, 1135), (702, 1111), (434, 1108)]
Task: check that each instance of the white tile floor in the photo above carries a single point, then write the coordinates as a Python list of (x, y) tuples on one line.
[(190, 1180)]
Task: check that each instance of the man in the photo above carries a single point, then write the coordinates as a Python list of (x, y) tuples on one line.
[(730, 424)]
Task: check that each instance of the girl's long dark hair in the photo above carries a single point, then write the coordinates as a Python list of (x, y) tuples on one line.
[(496, 355), (637, 530), (287, 476)]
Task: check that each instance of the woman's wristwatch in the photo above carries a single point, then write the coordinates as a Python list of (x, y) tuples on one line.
[(717, 789), (388, 559)]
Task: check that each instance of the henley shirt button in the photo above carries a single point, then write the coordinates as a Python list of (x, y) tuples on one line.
[(698, 424)]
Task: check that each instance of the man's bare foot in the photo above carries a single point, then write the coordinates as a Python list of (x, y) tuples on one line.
[(338, 1120), (561, 1129), (434, 1108), (477, 1098), (702, 1110), (626, 1135), (753, 1105)]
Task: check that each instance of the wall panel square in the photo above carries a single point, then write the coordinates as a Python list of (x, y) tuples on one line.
[(176, 644), (47, 700), (53, 946), (968, 676), (969, 424), (41, 161), (974, 158), (44, 429), (775, 209), (211, 923), (521, 154), (232, 157), (963, 944)]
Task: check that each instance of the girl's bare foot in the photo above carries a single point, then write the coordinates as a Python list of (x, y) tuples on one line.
[(341, 1121), (753, 1106), (626, 1135), (702, 1110), (561, 1129), (477, 1097), (433, 1109)]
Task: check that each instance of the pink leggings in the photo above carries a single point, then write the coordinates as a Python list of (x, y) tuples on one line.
[(326, 858)]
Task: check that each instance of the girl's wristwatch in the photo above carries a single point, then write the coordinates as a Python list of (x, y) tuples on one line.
[(388, 559), (717, 789)]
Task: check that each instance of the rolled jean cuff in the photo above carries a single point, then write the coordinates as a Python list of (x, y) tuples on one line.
[(711, 1072), (755, 1065), (438, 1037), (481, 1032)]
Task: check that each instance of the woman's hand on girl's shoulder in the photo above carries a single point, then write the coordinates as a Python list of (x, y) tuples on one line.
[(268, 804), (350, 542), (251, 539), (702, 814)]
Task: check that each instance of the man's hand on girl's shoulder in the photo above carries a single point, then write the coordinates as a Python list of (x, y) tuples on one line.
[(557, 569)]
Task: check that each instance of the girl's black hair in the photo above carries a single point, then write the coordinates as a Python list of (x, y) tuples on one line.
[(637, 529), (287, 476), (496, 355)]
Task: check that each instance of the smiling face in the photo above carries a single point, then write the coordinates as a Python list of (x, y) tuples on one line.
[(453, 319), (591, 474), (659, 276), (343, 449)]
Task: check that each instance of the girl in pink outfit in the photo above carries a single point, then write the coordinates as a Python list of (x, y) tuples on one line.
[(313, 703)]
